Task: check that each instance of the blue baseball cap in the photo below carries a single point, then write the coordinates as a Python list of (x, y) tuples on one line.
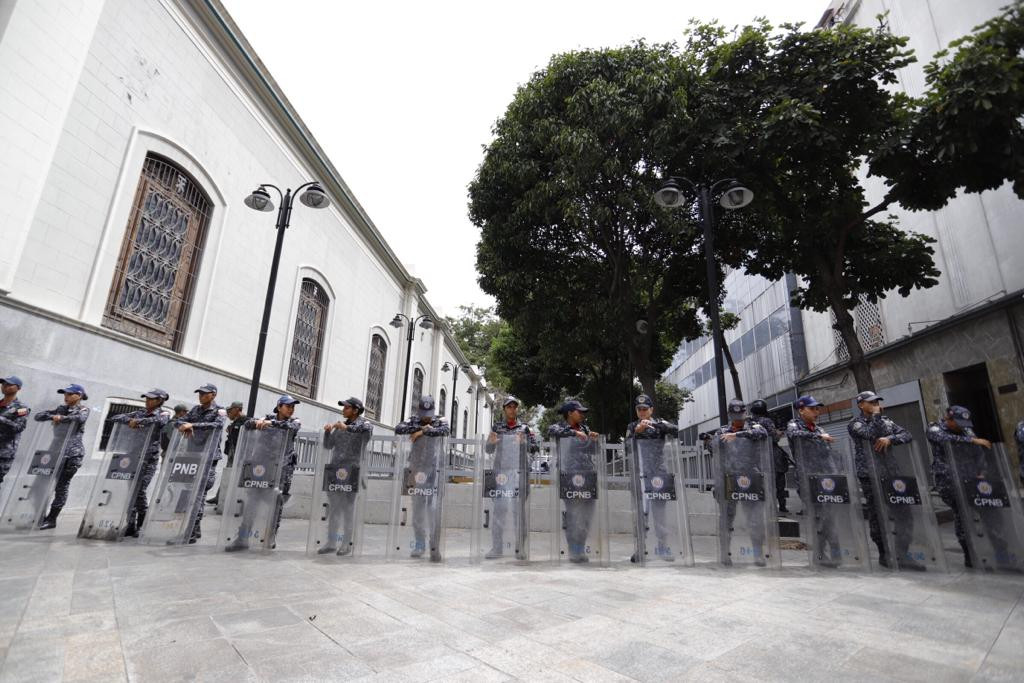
[(156, 393), (206, 389), (961, 416), (11, 379), (644, 400), (286, 400), (353, 402), (807, 402), (74, 389), (425, 408)]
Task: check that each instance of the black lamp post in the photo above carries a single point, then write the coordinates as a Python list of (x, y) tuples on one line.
[(315, 198), (454, 367), (397, 322), (731, 195)]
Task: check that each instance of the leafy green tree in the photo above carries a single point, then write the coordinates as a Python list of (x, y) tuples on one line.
[(474, 330), (572, 247)]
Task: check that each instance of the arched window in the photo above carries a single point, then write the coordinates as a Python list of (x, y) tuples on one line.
[(308, 341), (375, 376), (151, 294), (417, 387), (443, 398), (465, 422)]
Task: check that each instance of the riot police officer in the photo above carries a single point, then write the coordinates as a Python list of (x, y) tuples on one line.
[(880, 432), (805, 427), (236, 420), (1018, 436), (150, 416), (13, 420), (956, 426), (648, 427), (741, 427), (208, 418), (500, 507), (283, 417), (71, 411), (780, 458), (578, 513), (345, 455), (425, 425)]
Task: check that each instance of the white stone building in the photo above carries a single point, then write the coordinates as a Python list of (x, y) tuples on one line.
[(131, 132)]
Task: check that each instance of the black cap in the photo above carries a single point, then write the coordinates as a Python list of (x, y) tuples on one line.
[(426, 407), (156, 393), (237, 404), (807, 402), (961, 416), (206, 389), (572, 405), (181, 408), (759, 408), (868, 396), (353, 402), (644, 400), (737, 408)]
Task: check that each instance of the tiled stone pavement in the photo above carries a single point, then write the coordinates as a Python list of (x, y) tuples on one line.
[(78, 611)]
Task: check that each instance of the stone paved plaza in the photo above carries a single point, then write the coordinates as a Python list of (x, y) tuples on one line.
[(76, 611)]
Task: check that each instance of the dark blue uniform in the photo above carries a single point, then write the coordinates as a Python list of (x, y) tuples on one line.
[(293, 425), (73, 454), (210, 418), (158, 420), (422, 457), (865, 430), (13, 420)]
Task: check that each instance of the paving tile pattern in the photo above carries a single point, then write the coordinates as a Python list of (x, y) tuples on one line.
[(92, 611)]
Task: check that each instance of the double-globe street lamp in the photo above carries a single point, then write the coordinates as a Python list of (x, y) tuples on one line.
[(398, 322), (260, 200), (454, 367), (731, 195)]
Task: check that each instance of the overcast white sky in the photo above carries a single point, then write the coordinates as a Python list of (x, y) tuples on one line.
[(404, 95)]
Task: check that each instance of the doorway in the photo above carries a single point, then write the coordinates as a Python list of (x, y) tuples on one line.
[(970, 387)]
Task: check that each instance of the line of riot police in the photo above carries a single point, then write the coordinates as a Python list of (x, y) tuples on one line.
[(560, 512)]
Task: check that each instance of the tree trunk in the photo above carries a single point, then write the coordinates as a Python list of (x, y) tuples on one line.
[(736, 388), (847, 330)]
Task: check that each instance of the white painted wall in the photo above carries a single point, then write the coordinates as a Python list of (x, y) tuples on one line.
[(86, 90)]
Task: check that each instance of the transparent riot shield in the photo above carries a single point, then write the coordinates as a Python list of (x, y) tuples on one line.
[(253, 504), (417, 509), (117, 483), (33, 475), (989, 505), (179, 490), (501, 490), (660, 523), (900, 513), (748, 527), (578, 477), (833, 524), (339, 495)]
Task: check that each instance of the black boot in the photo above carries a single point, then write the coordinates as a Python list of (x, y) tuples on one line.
[(134, 524), (50, 520)]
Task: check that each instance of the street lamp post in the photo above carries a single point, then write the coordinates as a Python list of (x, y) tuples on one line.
[(454, 367), (397, 322), (731, 196), (315, 198)]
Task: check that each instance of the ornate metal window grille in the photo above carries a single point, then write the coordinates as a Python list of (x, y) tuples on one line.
[(417, 386), (375, 378), (150, 297), (443, 401), (307, 344), (867, 320)]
